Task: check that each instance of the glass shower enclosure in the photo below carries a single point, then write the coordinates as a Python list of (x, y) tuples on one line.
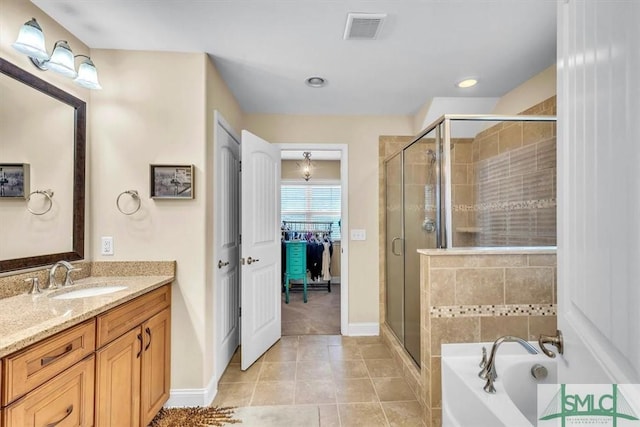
[(465, 181)]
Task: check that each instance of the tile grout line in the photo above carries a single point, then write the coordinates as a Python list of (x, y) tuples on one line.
[(255, 385), (375, 390)]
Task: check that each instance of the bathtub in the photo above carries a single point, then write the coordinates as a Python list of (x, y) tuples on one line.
[(466, 404)]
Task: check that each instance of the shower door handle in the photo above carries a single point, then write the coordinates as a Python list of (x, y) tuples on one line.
[(393, 246)]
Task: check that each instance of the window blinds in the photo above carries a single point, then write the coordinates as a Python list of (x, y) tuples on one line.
[(315, 202)]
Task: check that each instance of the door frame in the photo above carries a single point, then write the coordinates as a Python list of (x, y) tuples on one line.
[(344, 224)]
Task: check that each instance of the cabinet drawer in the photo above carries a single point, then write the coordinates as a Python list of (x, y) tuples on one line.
[(65, 401), (27, 369), (122, 319)]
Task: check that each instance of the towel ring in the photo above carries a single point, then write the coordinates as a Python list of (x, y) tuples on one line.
[(48, 194), (134, 195)]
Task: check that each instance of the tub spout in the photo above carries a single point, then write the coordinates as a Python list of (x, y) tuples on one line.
[(489, 371)]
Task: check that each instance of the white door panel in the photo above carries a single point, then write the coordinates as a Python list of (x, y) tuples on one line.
[(226, 243), (599, 191), (260, 250)]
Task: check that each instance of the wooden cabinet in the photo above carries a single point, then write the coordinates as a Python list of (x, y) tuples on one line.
[(65, 401), (112, 370), (133, 370)]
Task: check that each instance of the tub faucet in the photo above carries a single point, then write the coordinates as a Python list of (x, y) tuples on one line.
[(52, 274), (489, 372)]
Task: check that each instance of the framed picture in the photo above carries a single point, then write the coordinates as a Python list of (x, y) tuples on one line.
[(171, 181), (14, 180)]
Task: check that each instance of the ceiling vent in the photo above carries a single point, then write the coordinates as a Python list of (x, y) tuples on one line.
[(363, 26)]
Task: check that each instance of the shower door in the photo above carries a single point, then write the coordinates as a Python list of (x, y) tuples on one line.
[(412, 180), (419, 225), (394, 246)]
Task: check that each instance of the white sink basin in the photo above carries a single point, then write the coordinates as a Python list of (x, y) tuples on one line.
[(89, 292)]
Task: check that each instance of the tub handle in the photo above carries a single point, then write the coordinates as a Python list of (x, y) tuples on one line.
[(557, 341)]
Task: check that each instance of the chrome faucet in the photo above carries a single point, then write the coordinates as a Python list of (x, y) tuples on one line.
[(67, 277), (489, 372)]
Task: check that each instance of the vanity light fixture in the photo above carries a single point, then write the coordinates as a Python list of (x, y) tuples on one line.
[(306, 165), (466, 83), (31, 43)]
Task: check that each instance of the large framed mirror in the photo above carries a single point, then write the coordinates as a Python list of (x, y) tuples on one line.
[(43, 128)]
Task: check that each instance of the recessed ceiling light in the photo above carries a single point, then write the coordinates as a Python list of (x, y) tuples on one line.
[(316, 81), (467, 83)]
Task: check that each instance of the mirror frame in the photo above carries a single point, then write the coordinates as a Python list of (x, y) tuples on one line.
[(80, 130)]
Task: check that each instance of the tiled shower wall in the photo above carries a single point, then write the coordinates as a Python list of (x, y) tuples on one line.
[(478, 295), (514, 184)]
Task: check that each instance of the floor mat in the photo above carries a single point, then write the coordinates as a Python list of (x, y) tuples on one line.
[(195, 417)]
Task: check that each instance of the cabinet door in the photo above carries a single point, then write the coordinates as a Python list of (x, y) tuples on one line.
[(118, 381), (64, 401), (156, 364)]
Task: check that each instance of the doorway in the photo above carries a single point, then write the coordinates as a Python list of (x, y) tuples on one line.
[(228, 205), (314, 210)]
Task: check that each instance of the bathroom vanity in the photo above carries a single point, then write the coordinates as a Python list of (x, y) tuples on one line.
[(99, 360)]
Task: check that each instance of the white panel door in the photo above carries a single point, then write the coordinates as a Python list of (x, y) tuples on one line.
[(226, 243), (260, 250), (599, 190)]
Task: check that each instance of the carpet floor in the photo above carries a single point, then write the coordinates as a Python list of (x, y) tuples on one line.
[(319, 316)]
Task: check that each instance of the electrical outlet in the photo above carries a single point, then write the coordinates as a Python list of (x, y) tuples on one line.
[(106, 247)]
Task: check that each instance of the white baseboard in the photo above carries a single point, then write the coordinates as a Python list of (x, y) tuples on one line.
[(364, 329), (179, 398)]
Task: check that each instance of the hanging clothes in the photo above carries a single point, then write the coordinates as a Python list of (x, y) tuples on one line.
[(314, 258), (326, 261)]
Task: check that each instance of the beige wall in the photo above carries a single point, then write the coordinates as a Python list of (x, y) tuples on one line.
[(535, 90), (158, 108), (151, 110), (361, 134)]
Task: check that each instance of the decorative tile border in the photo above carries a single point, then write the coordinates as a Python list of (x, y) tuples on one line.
[(493, 310), (507, 206)]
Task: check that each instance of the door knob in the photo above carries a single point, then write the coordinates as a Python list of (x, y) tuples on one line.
[(222, 264), (252, 260)]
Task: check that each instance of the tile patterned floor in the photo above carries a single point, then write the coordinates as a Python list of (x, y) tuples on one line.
[(353, 380)]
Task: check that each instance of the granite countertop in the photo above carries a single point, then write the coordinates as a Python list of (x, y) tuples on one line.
[(26, 319)]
